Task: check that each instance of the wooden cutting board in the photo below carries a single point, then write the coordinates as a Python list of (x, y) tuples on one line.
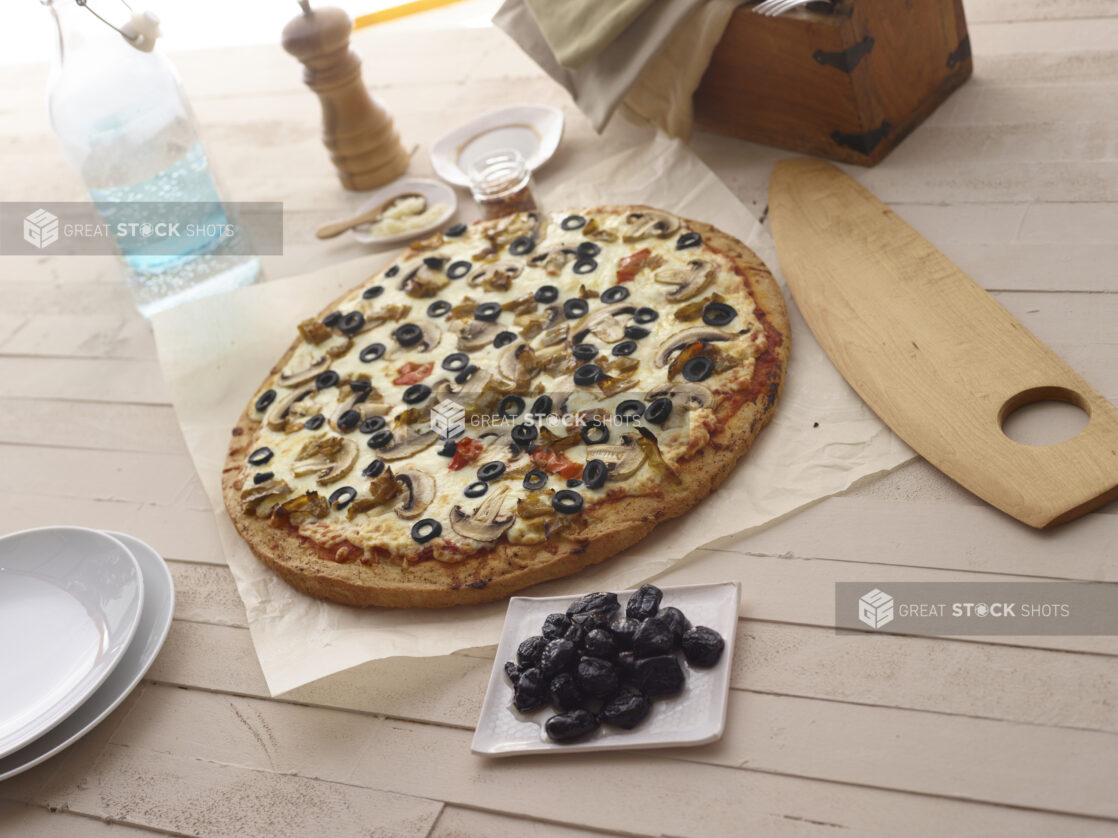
[(934, 355)]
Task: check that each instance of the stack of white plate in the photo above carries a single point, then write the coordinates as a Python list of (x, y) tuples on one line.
[(83, 614)]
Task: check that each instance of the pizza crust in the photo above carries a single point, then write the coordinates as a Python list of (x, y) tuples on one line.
[(606, 529)]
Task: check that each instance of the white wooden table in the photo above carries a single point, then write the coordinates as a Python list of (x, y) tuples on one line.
[(1015, 178)]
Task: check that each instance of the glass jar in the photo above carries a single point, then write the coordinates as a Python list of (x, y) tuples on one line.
[(501, 183)]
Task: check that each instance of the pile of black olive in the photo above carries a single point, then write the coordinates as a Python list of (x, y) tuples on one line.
[(595, 665)]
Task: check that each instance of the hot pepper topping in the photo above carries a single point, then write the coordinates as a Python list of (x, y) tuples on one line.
[(410, 373), (468, 450)]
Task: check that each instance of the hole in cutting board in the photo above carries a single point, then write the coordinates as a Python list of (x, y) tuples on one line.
[(1044, 416)]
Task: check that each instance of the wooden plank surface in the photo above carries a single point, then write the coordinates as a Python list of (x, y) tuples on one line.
[(1013, 178)]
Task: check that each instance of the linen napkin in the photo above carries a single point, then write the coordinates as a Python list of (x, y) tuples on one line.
[(578, 30)]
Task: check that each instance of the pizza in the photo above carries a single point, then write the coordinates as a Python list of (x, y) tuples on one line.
[(506, 403)]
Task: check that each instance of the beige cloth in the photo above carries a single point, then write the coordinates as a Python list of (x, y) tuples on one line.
[(577, 30), (662, 94), (654, 65)]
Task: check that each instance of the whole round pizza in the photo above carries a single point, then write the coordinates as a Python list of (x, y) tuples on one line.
[(507, 403)]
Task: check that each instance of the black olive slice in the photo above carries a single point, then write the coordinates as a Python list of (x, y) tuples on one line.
[(426, 529), (260, 456), (566, 502), (416, 393), (372, 424), (380, 439), (266, 398), (348, 421), (263, 477), (626, 347), (636, 332), (438, 308), (524, 433), (594, 474), (332, 319), (698, 368), (585, 265), (374, 469), (510, 407), (466, 374), (435, 263), (522, 246), (408, 335), (476, 490), (718, 314), (456, 231), (573, 483), (505, 338), (588, 250), (327, 378), (584, 351), (391, 272), (314, 422), (542, 406), (594, 432), (352, 323), (573, 309), (372, 292), (458, 269), (343, 497), (688, 240), (449, 449), (658, 412), (487, 312), (629, 410), (491, 471), (456, 361), (546, 294), (573, 222), (645, 315), (371, 353), (615, 294), (587, 374), (535, 479), (360, 385)]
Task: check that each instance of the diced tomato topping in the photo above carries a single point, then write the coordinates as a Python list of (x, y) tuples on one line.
[(630, 266), (410, 373), (555, 463), (468, 450)]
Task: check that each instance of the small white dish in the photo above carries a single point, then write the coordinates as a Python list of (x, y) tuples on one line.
[(159, 604), (533, 130), (70, 601), (695, 716), (434, 191)]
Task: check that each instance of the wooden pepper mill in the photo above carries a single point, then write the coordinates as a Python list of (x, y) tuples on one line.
[(358, 132)]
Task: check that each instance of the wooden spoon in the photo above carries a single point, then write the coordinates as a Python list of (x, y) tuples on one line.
[(336, 228)]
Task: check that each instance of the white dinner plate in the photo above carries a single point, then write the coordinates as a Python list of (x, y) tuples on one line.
[(434, 191), (533, 130), (70, 601), (159, 603), (695, 716)]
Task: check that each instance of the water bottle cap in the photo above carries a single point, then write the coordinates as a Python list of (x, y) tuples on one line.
[(142, 30)]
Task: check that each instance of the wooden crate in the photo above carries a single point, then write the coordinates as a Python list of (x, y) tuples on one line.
[(848, 85)]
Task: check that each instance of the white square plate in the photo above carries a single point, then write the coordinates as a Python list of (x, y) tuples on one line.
[(695, 716)]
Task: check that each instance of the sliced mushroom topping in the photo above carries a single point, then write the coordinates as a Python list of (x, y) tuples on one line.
[(293, 378), (554, 335), (432, 334), (553, 261), (382, 488), (688, 282), (680, 340), (365, 409), (517, 362), (622, 461), (554, 314), (498, 442), (405, 443), (329, 458), (253, 494), (603, 320), (277, 418), (641, 225), (683, 394), (423, 281), (476, 334), (417, 490), (495, 277), (486, 523)]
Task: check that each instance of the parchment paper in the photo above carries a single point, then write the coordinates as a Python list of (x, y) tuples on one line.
[(216, 351)]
